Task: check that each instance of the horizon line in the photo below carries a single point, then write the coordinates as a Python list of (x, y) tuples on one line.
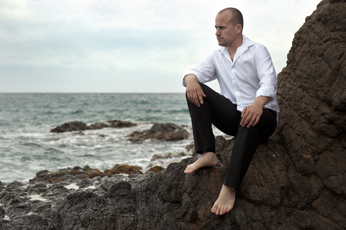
[(90, 92)]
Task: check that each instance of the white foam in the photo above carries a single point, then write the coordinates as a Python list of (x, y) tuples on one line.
[(6, 218), (90, 187), (72, 186), (37, 197)]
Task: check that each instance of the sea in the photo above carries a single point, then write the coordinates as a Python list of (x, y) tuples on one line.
[(27, 146)]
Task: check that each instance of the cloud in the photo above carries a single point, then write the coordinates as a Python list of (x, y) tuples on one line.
[(149, 42)]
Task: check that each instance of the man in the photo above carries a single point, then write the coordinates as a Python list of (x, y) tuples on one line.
[(247, 108)]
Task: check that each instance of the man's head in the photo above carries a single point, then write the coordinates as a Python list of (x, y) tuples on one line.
[(236, 18), (229, 27)]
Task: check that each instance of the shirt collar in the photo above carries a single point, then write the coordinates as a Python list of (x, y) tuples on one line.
[(241, 49)]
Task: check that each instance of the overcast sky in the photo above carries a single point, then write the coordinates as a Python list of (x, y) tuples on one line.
[(127, 45)]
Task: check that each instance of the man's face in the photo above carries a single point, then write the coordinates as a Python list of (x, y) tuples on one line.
[(226, 32)]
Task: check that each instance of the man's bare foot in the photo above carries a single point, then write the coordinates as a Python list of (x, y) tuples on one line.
[(225, 201), (207, 159)]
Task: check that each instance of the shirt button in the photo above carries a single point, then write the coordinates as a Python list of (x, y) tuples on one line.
[(238, 100), (236, 89)]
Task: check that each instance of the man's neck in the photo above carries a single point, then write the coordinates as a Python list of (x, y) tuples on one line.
[(233, 48)]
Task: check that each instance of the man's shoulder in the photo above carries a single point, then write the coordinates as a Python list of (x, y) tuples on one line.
[(253, 45), (249, 43)]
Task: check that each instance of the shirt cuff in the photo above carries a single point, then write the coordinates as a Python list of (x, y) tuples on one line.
[(266, 91)]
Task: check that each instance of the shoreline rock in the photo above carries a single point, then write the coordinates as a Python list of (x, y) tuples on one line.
[(159, 131), (81, 126), (162, 132)]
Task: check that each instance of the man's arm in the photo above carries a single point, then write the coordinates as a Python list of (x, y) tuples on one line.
[(251, 114), (194, 91), (266, 73)]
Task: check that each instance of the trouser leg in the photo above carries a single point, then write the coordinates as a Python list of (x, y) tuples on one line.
[(221, 112), (246, 142), (217, 110)]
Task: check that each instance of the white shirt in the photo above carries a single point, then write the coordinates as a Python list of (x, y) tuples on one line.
[(249, 75)]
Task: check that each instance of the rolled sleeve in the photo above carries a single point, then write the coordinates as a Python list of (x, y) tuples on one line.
[(267, 91), (266, 73)]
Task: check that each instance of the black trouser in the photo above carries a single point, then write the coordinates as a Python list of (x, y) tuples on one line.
[(223, 114)]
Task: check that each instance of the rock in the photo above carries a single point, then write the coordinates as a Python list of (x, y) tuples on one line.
[(190, 147), (126, 169), (162, 132), (81, 126), (161, 161), (120, 124), (167, 156), (156, 169), (93, 172), (23, 209), (83, 173), (70, 126)]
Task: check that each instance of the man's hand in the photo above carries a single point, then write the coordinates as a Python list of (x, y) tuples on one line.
[(194, 91), (251, 114)]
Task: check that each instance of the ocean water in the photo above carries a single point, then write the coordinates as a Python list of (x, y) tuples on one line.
[(27, 145)]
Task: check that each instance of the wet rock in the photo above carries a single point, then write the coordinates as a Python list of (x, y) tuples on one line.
[(21, 209), (2, 186), (161, 161), (93, 172), (190, 147), (81, 126), (120, 124), (156, 169), (126, 169), (68, 173), (2, 213), (162, 132), (70, 126), (37, 188), (53, 177), (167, 155)]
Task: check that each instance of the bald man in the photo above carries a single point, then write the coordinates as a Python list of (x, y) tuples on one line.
[(247, 108)]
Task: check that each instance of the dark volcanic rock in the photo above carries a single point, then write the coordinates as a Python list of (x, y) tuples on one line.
[(81, 126), (163, 132), (34, 206), (82, 173)]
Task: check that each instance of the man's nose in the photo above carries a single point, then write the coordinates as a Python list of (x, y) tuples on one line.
[(217, 32)]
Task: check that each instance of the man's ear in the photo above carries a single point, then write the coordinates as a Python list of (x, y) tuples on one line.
[(239, 28)]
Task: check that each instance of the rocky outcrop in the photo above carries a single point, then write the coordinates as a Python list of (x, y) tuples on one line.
[(84, 173), (162, 132), (81, 126), (295, 181), (127, 169), (33, 206)]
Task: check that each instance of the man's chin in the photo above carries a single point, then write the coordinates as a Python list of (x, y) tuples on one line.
[(221, 44)]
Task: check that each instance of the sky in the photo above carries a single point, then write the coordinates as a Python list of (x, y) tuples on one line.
[(120, 46)]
